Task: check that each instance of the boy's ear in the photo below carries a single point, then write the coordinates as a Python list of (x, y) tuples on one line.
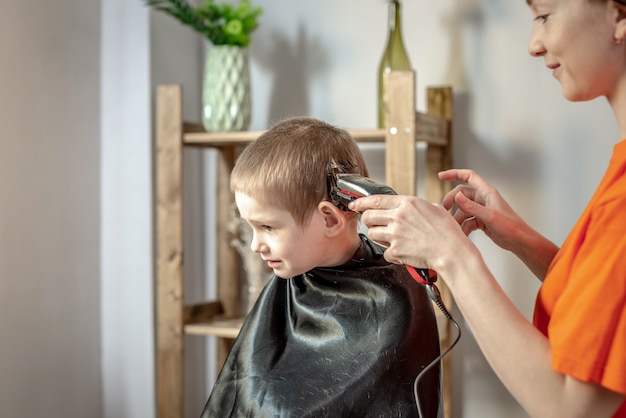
[(334, 219)]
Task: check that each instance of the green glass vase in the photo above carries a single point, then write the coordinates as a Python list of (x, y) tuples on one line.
[(226, 103), (394, 57)]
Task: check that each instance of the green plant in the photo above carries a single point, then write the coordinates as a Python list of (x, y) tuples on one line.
[(221, 24)]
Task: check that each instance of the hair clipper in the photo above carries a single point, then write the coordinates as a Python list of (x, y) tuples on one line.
[(349, 187)]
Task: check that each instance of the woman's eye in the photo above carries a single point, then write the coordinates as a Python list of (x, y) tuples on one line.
[(542, 18), (267, 228)]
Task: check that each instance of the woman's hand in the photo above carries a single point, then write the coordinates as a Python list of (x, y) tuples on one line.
[(480, 206), (416, 232), (426, 235)]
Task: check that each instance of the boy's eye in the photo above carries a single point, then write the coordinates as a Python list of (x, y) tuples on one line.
[(267, 228), (542, 18)]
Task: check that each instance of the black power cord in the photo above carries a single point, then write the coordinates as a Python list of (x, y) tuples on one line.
[(435, 295)]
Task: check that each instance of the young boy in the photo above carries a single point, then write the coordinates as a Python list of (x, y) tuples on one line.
[(338, 331)]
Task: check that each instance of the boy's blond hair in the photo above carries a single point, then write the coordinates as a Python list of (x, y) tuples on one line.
[(289, 165)]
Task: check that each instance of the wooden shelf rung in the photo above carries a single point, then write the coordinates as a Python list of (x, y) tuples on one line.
[(224, 327), (202, 312), (194, 135), (205, 139), (372, 135)]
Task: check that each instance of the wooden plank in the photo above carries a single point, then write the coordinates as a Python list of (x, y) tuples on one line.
[(439, 158), (225, 328), (191, 127), (169, 255), (432, 129), (228, 259), (221, 138), (400, 151), (227, 271), (367, 135), (201, 312), (195, 136)]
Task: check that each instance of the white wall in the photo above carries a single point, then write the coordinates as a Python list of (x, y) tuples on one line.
[(126, 203), (50, 209), (140, 50)]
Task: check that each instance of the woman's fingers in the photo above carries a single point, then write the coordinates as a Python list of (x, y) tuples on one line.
[(379, 201), (463, 176), (449, 199)]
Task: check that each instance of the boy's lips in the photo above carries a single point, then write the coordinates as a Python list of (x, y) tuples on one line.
[(272, 263)]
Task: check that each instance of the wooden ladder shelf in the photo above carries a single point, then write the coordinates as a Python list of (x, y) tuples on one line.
[(219, 318)]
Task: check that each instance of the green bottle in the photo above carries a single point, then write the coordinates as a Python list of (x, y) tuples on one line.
[(394, 57)]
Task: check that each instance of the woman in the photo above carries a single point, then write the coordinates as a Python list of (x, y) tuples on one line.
[(571, 361)]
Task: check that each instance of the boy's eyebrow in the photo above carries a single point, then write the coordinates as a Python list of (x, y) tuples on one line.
[(260, 220)]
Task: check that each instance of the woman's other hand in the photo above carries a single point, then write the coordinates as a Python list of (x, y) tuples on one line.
[(480, 206)]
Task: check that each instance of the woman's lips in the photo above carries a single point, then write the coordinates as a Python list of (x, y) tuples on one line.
[(554, 68)]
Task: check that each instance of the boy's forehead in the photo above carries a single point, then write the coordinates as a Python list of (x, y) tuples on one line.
[(258, 211), (246, 203)]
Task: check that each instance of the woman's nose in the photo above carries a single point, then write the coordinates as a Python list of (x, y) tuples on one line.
[(535, 47)]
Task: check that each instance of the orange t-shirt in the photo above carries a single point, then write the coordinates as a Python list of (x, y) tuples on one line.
[(581, 306)]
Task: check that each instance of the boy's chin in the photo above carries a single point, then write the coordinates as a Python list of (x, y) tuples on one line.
[(287, 274)]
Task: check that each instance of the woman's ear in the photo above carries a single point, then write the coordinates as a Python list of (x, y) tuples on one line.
[(335, 220), (620, 22)]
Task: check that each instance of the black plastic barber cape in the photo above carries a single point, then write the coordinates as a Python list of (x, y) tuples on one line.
[(336, 342)]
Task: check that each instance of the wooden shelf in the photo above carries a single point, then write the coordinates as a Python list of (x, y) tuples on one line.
[(219, 318), (430, 129), (223, 328), (204, 139)]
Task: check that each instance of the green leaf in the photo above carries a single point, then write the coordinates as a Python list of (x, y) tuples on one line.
[(221, 24)]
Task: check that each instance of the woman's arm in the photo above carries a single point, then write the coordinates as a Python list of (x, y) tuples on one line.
[(425, 235), (518, 353)]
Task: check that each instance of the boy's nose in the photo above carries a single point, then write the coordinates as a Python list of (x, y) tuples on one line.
[(255, 246)]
